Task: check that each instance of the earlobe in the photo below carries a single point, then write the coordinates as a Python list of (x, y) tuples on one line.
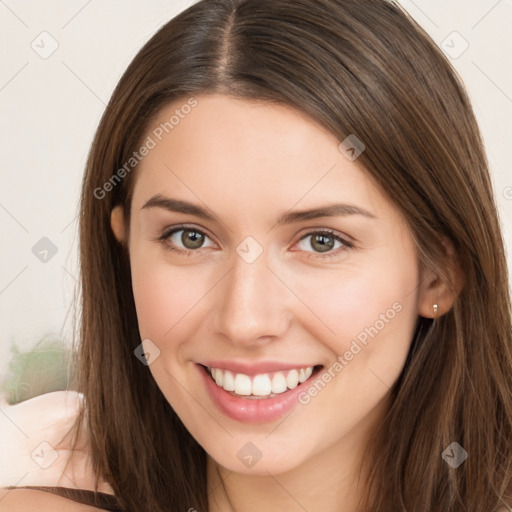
[(437, 295), (117, 223), (435, 298)]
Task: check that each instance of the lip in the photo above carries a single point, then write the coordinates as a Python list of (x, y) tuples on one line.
[(259, 410), (252, 369)]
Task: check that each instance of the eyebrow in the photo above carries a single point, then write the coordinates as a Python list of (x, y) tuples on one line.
[(290, 217)]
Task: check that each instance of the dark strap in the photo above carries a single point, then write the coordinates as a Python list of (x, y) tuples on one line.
[(96, 499)]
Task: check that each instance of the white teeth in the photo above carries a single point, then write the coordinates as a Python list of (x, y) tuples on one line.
[(279, 383), (242, 384), (229, 381), (305, 373), (262, 384), (292, 379)]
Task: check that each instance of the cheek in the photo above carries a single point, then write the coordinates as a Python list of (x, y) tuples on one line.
[(373, 312), (372, 305), (164, 295)]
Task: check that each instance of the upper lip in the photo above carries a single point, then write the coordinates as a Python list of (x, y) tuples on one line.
[(254, 368)]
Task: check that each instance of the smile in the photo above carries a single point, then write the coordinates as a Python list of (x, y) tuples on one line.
[(254, 396), (263, 385)]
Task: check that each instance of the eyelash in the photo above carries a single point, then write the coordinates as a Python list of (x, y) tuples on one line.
[(164, 239)]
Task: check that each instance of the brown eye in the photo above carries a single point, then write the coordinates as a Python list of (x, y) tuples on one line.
[(192, 239), (185, 240), (324, 244), (321, 242)]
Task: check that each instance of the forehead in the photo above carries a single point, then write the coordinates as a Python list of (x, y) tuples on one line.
[(239, 153)]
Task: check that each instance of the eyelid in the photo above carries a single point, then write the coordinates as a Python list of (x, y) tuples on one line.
[(321, 229), (346, 241), (168, 232)]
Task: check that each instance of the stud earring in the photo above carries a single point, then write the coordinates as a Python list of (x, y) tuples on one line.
[(436, 310)]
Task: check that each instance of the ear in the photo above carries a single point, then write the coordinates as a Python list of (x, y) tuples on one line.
[(436, 289), (117, 223)]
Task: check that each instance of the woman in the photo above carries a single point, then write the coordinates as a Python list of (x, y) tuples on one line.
[(294, 287)]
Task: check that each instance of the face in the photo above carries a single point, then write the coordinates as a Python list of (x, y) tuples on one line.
[(227, 274)]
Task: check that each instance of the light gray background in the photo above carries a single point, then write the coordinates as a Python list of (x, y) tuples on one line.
[(50, 108)]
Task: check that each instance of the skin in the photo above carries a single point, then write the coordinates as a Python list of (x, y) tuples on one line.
[(46, 418), (290, 304)]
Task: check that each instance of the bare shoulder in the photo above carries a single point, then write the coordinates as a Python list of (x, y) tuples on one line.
[(37, 441), (21, 500)]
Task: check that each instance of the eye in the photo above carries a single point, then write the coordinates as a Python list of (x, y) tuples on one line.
[(324, 243), (185, 239)]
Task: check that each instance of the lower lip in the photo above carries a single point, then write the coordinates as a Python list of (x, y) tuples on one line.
[(258, 410)]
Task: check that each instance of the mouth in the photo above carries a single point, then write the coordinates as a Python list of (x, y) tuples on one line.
[(261, 386), (256, 398)]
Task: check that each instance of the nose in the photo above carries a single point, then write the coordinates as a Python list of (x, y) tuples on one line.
[(253, 305)]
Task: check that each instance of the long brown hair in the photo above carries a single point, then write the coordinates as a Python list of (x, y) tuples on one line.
[(362, 67)]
